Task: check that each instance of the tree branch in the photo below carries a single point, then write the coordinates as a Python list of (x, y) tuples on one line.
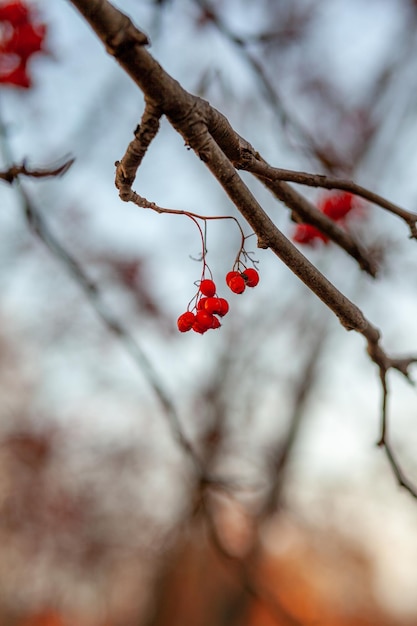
[(222, 150), (12, 172), (274, 174), (308, 213)]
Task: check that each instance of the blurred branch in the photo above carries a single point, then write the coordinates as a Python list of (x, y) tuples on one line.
[(306, 384), (14, 171), (306, 212), (245, 569), (397, 65), (270, 174), (283, 115), (402, 365), (40, 228)]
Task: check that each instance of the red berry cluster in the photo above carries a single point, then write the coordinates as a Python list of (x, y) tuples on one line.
[(336, 206), (209, 307), (207, 310), (238, 281), (20, 38)]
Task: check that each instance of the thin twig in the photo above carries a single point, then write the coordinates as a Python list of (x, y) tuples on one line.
[(402, 365), (402, 480)]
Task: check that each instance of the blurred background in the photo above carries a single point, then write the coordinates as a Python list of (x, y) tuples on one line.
[(105, 516)]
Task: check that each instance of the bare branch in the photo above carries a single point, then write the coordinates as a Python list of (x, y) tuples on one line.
[(144, 133)]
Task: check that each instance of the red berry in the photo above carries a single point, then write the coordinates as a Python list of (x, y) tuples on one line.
[(216, 322), (251, 277), (185, 321), (197, 328), (237, 284), (230, 276), (224, 307), (204, 319), (208, 288), (201, 304), (211, 305), (216, 306)]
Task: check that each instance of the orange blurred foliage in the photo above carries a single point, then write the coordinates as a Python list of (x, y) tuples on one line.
[(298, 576), (44, 618)]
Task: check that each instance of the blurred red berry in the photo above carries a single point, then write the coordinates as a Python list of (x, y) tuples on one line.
[(185, 322), (337, 205), (17, 76), (308, 234), (26, 40), (208, 288), (14, 11), (20, 38), (251, 277)]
